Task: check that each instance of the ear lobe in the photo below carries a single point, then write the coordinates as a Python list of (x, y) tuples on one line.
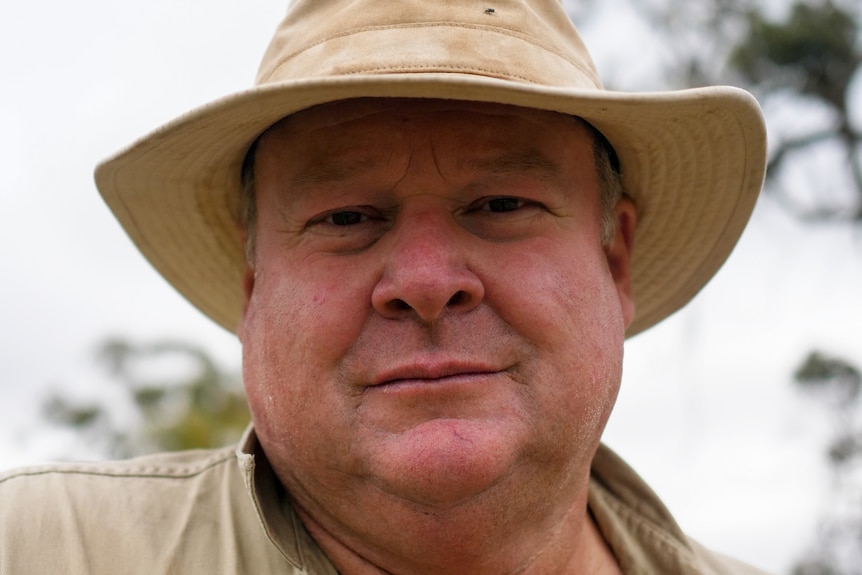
[(618, 253)]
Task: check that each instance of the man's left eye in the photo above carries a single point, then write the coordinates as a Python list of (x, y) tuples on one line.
[(504, 204), (346, 218)]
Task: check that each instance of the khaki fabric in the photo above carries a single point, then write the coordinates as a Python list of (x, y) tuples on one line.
[(220, 511), (643, 535)]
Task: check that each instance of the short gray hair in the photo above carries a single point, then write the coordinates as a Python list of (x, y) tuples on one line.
[(610, 182), (248, 203)]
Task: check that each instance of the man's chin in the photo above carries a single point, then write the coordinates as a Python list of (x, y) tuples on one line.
[(443, 463)]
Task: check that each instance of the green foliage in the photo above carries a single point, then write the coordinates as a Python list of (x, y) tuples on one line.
[(803, 57), (837, 383), (815, 567), (66, 413), (197, 404), (830, 375), (813, 52)]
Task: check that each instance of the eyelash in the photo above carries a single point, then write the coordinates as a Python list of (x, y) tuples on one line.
[(507, 201), (358, 216), (331, 218)]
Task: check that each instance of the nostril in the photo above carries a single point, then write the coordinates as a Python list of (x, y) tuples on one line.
[(426, 298), (457, 299), (400, 304)]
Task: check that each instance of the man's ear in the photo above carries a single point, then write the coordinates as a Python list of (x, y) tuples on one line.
[(619, 252)]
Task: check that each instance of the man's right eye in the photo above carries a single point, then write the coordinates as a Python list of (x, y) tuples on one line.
[(346, 218), (503, 204)]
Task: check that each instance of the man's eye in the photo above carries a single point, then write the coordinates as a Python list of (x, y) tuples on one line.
[(346, 218), (504, 204)]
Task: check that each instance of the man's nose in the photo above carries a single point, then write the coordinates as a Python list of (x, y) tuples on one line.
[(426, 270)]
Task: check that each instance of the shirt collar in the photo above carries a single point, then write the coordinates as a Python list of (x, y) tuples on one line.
[(637, 526), (281, 524)]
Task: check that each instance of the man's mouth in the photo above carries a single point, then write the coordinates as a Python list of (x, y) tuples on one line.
[(429, 371)]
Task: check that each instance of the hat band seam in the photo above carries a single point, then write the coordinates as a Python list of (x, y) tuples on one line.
[(484, 72), (492, 29)]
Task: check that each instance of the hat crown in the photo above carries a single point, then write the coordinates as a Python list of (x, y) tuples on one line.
[(529, 41)]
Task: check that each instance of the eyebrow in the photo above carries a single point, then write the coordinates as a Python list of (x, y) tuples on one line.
[(530, 162), (333, 171)]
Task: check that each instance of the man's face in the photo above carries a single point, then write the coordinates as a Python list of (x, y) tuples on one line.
[(432, 317)]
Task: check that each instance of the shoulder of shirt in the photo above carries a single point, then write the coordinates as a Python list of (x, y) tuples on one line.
[(167, 465), (641, 530), (183, 512)]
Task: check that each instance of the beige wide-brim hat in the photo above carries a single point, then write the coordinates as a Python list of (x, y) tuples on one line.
[(693, 160)]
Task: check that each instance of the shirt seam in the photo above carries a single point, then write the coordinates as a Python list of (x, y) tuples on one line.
[(153, 472)]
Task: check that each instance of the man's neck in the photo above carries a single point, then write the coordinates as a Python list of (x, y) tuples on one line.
[(575, 545)]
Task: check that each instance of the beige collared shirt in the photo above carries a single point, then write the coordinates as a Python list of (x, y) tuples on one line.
[(200, 512)]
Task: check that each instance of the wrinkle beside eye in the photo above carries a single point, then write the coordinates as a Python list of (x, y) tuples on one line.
[(347, 230)]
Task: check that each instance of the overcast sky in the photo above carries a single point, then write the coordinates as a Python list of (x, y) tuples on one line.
[(707, 413)]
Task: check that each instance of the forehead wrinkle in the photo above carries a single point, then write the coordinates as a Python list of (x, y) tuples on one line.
[(335, 160)]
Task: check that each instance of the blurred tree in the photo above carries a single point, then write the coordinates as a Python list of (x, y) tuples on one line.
[(837, 384), (801, 55), (191, 402), (813, 54)]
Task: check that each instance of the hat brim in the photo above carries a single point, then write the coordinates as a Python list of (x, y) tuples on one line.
[(692, 161)]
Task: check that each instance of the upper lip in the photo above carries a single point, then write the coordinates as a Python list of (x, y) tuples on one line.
[(431, 369)]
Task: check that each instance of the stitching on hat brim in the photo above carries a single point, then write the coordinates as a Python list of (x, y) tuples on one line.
[(487, 72)]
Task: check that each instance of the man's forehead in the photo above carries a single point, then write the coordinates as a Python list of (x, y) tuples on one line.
[(341, 139)]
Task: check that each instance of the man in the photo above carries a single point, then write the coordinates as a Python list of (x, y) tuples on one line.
[(432, 231)]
